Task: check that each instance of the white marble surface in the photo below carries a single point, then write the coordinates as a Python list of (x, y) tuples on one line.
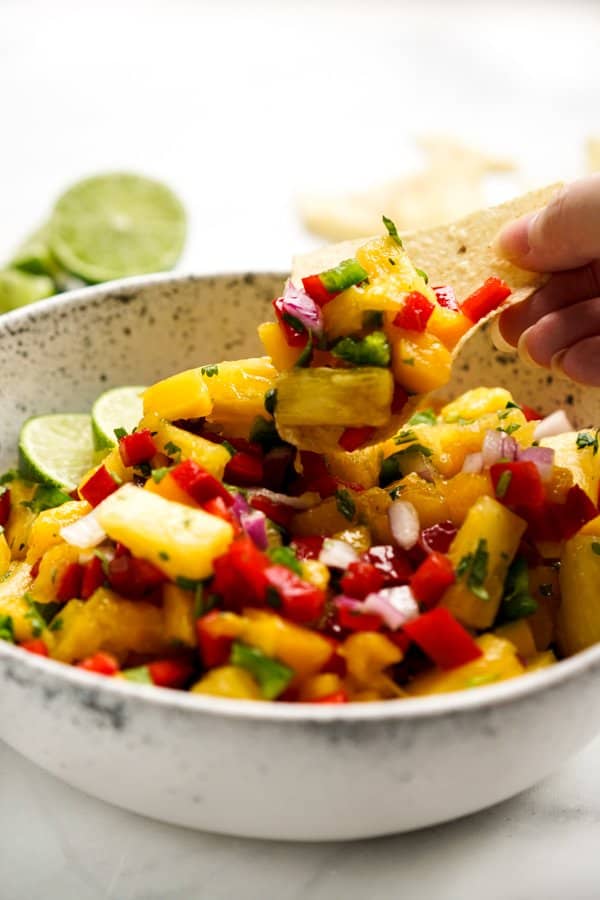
[(239, 106)]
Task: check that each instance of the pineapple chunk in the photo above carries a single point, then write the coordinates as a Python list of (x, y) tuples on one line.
[(21, 517), (182, 396), (4, 556), (475, 403), (449, 325), (498, 663), (52, 567), (228, 681), (359, 467), (420, 362), (343, 397), (179, 540), (386, 261), (273, 340), (578, 624), (584, 463), (13, 587), (178, 610), (520, 634), (304, 651), (45, 531), (183, 445), (237, 389)]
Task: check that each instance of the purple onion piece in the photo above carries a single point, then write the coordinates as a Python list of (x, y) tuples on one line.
[(541, 457), (254, 524), (298, 304)]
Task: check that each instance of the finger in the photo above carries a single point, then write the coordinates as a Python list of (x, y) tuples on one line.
[(560, 330), (563, 289), (581, 363), (565, 234)]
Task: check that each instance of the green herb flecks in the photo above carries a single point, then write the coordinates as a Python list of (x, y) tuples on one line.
[(509, 429), (272, 676), (585, 440), (173, 451), (345, 504), (423, 275), (210, 371), (517, 601), (229, 447), (423, 417), (159, 474), (306, 356), (120, 433), (503, 484), (7, 630), (372, 350), (392, 230), (263, 432), (474, 568), (56, 624), (285, 556), (46, 496), (9, 476)]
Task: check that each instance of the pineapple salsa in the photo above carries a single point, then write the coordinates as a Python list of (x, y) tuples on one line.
[(314, 525)]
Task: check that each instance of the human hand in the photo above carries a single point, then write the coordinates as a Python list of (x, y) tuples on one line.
[(559, 326)]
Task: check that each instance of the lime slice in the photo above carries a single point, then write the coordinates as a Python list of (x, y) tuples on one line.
[(56, 449), (120, 407), (19, 289), (34, 255), (115, 225)]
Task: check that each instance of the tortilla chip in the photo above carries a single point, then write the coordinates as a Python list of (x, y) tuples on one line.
[(593, 154)]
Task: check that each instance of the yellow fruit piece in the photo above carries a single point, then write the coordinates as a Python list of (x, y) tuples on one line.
[(319, 686), (228, 681), (420, 361), (237, 389), (344, 314), (372, 508), (359, 467), (180, 540), (578, 623), (367, 656), (302, 650), (273, 340), (324, 396), (498, 663), (325, 519), (180, 445), (448, 325), (4, 555), (52, 567), (427, 499), (474, 404), (45, 530), (492, 534), (113, 462), (386, 261), (592, 527), (541, 661), (583, 463), (13, 587), (545, 589), (182, 396), (359, 538), (111, 623), (462, 491), (168, 488), (315, 572), (21, 518), (178, 611), (520, 634)]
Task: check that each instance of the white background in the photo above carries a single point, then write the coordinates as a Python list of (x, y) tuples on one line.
[(240, 106)]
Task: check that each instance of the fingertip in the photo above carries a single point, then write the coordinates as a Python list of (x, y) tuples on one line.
[(512, 241), (580, 362), (499, 339)]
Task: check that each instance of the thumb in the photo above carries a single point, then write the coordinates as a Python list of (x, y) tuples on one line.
[(565, 234)]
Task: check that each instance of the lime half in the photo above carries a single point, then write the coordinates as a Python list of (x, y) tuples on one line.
[(56, 449), (115, 225), (19, 289), (120, 407)]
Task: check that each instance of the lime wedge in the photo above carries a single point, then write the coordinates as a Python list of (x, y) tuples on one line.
[(34, 255), (115, 225), (118, 408), (56, 449), (19, 289)]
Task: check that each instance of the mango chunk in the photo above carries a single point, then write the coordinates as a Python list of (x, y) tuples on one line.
[(182, 396), (498, 663)]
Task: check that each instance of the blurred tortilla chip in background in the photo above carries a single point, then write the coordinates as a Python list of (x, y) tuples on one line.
[(593, 154)]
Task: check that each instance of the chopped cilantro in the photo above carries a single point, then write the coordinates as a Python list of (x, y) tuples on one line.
[(372, 350), (188, 584), (392, 230), (596, 547), (474, 566), (509, 429), (285, 556), (46, 496), (511, 405), (229, 447), (587, 440), (210, 371), (345, 504), (391, 467), (33, 614), (7, 631), (159, 474), (270, 401), (405, 436), (203, 603), (263, 432), (120, 433), (503, 484), (503, 414), (162, 554), (423, 275), (56, 624), (306, 356), (173, 450), (517, 601), (408, 361), (423, 417)]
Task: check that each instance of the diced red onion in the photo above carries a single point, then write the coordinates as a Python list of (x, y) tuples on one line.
[(341, 601), (254, 524), (541, 457), (496, 446), (85, 532), (239, 506), (510, 448), (304, 501), (426, 473), (404, 522), (298, 304), (395, 605), (337, 554), (556, 423), (473, 463)]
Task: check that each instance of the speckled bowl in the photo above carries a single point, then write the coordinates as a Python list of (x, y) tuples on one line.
[(261, 770)]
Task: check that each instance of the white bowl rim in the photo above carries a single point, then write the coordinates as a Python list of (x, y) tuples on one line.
[(482, 698)]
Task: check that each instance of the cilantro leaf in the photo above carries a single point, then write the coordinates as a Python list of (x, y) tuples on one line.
[(392, 230), (585, 440), (474, 567), (517, 601), (424, 417), (345, 504), (47, 496), (285, 556), (210, 371)]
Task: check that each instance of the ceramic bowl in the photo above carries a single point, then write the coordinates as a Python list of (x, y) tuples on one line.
[(263, 770)]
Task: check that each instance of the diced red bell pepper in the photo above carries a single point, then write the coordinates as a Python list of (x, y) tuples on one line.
[(35, 569), (293, 336), (446, 296), (391, 562), (35, 645), (432, 578), (277, 512), (351, 619), (337, 697), (517, 484), (170, 673), (69, 583), (217, 507), (244, 470), (240, 575), (399, 399), (438, 537), (198, 483), (353, 438), (485, 299), (415, 312), (360, 579), (316, 475), (215, 648), (442, 638), (133, 577), (4, 506), (400, 639), (315, 289), (101, 663), (336, 664), (137, 448), (300, 600), (98, 487), (308, 547), (532, 415), (93, 577), (276, 466), (575, 512)]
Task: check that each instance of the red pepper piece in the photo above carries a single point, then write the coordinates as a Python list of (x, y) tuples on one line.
[(35, 645), (308, 547), (69, 583), (399, 399), (517, 484), (532, 415), (431, 579), (276, 466), (391, 562), (217, 507), (93, 577), (315, 289), (293, 336), (352, 620), (133, 577), (353, 438), (485, 299), (101, 663), (360, 579), (442, 638), (98, 487), (244, 470), (277, 512), (4, 506), (215, 649), (198, 483), (170, 673), (316, 476), (240, 575), (400, 639), (300, 600), (35, 569), (575, 512), (336, 663), (446, 296), (438, 537), (137, 448), (415, 312), (337, 697)]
